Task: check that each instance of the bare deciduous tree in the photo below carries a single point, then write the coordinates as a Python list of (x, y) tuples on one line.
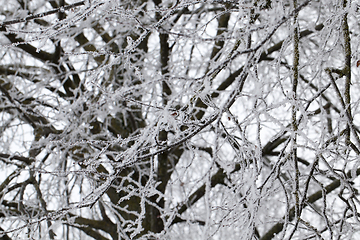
[(179, 119)]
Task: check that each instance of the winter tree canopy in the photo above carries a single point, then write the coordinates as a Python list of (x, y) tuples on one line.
[(186, 119)]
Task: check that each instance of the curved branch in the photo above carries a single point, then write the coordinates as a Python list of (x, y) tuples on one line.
[(278, 227)]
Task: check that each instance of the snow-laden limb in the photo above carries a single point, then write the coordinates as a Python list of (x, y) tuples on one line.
[(171, 119)]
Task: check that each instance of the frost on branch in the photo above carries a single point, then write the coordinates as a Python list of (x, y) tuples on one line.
[(167, 119)]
